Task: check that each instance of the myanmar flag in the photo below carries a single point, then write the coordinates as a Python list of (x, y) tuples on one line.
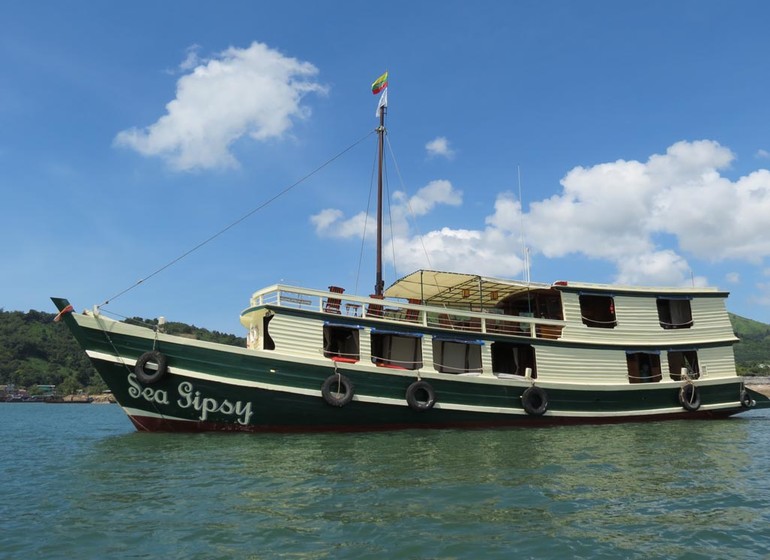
[(380, 84)]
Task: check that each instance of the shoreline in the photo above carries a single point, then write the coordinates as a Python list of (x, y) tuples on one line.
[(758, 384)]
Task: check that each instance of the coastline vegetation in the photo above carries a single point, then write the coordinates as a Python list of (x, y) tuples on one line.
[(36, 351)]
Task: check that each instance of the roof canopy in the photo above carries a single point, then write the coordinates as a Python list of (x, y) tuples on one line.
[(451, 288)]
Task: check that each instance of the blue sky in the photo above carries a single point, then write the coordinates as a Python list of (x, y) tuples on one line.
[(130, 133)]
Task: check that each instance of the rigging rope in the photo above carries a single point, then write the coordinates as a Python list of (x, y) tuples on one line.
[(366, 220), (239, 220), (408, 204)]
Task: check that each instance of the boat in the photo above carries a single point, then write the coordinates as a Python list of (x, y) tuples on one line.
[(435, 349)]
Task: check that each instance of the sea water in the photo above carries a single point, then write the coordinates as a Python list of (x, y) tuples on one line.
[(78, 482)]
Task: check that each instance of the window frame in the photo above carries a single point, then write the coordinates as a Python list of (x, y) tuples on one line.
[(472, 356), (506, 354), (669, 306), (379, 339), (598, 310), (339, 347), (636, 359)]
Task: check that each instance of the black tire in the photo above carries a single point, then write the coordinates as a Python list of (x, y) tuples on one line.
[(150, 376), (337, 390), (420, 396), (689, 397), (535, 401), (746, 400)]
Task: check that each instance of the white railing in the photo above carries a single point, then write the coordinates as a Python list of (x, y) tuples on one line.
[(393, 311)]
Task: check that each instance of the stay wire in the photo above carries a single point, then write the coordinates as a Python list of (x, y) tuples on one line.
[(239, 220), (409, 205), (390, 223), (366, 221)]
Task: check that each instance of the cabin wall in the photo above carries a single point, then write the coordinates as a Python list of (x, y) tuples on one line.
[(581, 365), (716, 362), (297, 335), (638, 322), (558, 362)]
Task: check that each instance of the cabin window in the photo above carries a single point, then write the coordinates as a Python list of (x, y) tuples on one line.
[(643, 367), (683, 360), (267, 340), (598, 311), (397, 350), (453, 356), (341, 343), (674, 313), (513, 359)]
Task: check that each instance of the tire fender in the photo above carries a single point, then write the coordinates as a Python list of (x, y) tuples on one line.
[(420, 396), (746, 400), (149, 376), (337, 390), (689, 397), (535, 401)]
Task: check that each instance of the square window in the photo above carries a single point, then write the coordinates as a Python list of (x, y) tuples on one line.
[(598, 311), (674, 313)]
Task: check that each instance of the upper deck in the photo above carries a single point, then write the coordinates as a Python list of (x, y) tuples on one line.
[(569, 312)]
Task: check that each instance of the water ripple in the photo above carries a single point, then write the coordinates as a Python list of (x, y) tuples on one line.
[(83, 484)]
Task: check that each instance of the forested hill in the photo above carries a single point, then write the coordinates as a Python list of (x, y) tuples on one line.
[(34, 350), (752, 353)]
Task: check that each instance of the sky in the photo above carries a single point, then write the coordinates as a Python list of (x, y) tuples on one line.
[(212, 149)]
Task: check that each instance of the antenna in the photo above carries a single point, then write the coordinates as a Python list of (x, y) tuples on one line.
[(524, 248)]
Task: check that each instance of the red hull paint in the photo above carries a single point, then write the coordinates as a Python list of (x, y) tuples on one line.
[(151, 424)]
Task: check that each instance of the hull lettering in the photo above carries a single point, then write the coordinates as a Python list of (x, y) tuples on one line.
[(158, 396), (189, 397)]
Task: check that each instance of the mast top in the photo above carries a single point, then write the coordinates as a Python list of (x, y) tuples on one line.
[(380, 85)]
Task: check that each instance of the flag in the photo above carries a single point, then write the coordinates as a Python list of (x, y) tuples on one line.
[(68, 309), (383, 103), (380, 84)]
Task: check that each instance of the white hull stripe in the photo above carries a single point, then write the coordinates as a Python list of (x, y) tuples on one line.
[(385, 400)]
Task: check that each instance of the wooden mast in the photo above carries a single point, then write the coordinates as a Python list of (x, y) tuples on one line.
[(379, 284)]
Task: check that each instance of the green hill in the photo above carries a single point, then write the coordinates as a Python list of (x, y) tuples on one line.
[(752, 353), (36, 351)]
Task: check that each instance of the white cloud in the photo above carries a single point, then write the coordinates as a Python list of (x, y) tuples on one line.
[(664, 268), (436, 192), (762, 154), (617, 211), (192, 59), (255, 92), (439, 146), (733, 277), (645, 218), (330, 222)]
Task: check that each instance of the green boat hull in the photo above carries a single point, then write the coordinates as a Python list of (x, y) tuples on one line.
[(209, 387)]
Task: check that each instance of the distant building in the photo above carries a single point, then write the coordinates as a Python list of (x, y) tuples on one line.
[(46, 390)]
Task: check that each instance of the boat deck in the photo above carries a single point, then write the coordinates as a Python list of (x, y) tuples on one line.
[(471, 320)]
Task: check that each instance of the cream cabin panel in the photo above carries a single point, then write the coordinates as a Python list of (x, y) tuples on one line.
[(711, 313), (716, 362), (581, 365), (486, 358), (712, 363), (296, 335), (638, 323), (365, 346), (427, 354)]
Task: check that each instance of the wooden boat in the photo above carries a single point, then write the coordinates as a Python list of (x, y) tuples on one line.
[(434, 350)]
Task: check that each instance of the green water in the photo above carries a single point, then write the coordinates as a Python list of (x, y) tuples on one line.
[(78, 482)]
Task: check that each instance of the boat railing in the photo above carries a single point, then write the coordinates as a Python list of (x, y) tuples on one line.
[(396, 311)]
